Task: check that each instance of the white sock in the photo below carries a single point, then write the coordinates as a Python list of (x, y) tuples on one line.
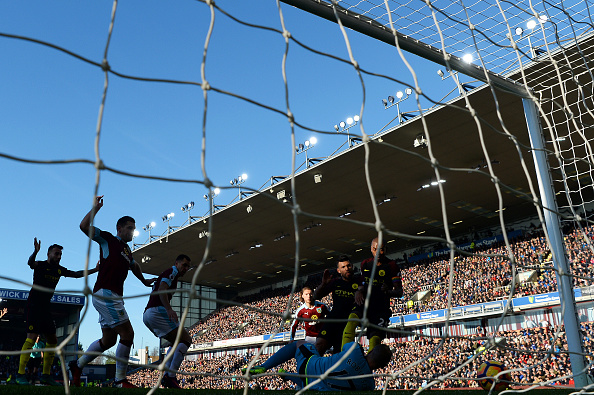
[(178, 357), (123, 352), (85, 359), (168, 363)]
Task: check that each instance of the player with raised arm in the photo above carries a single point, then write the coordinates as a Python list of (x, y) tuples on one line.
[(312, 310), (162, 320), (38, 311), (385, 285), (115, 261), (343, 290)]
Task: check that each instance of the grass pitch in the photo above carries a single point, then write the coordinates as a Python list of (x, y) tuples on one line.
[(42, 390)]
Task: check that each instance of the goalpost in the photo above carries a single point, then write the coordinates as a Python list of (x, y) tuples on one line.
[(379, 20)]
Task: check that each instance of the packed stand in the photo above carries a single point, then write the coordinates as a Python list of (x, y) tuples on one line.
[(524, 349), (478, 279), (482, 278)]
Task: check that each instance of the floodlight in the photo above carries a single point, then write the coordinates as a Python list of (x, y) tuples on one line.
[(356, 118), (391, 99), (531, 24), (336, 127), (349, 121), (217, 191), (399, 94), (385, 102), (543, 18), (244, 176), (136, 233), (342, 124), (313, 140), (467, 58), (519, 31), (440, 73), (409, 91), (317, 178), (306, 143)]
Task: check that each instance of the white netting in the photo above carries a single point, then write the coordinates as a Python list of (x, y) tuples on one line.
[(550, 58)]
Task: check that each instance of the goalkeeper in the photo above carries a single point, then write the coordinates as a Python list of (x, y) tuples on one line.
[(345, 377)]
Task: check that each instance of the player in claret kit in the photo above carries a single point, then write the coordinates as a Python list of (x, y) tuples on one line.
[(38, 311), (312, 310), (342, 288), (385, 285), (162, 320), (115, 262)]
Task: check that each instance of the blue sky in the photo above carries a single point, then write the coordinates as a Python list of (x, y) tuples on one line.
[(49, 107)]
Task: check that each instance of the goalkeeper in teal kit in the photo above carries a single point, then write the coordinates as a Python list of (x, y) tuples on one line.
[(344, 377)]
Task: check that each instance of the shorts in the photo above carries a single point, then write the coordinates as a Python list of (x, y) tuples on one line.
[(111, 311), (332, 333), (303, 354), (379, 317), (40, 320), (158, 322)]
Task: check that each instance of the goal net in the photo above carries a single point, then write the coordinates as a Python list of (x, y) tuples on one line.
[(456, 133)]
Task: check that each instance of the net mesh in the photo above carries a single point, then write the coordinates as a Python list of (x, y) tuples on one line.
[(550, 58)]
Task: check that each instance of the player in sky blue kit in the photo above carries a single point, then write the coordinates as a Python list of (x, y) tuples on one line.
[(115, 262), (342, 378)]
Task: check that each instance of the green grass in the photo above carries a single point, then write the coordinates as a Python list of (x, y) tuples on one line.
[(37, 390)]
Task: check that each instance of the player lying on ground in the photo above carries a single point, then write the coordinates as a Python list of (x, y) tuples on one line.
[(343, 377)]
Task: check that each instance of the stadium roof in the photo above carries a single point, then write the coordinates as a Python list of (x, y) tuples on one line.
[(397, 169), (469, 197)]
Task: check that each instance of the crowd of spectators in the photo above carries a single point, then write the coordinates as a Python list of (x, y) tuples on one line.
[(485, 275), (537, 355), (482, 276)]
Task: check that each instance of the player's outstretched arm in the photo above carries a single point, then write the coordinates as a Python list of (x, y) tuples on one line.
[(138, 273), (81, 273), (32, 259), (85, 224)]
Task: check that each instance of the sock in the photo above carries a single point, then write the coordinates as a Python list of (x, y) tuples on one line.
[(25, 357), (298, 381), (349, 330), (122, 351), (283, 355), (168, 363), (374, 341), (96, 346), (178, 357), (48, 358)]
